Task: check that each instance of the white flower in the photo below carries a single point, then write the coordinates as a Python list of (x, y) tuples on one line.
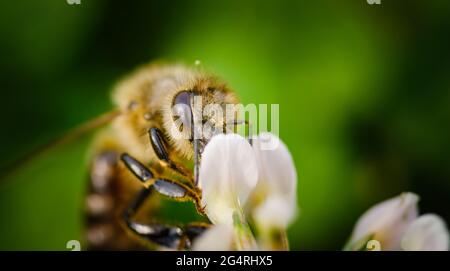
[(395, 224), (426, 233), (274, 213), (228, 173), (217, 238), (387, 221), (277, 183)]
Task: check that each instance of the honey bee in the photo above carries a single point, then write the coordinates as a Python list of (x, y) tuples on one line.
[(140, 154)]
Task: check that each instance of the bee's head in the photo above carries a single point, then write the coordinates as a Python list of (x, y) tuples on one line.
[(197, 113)]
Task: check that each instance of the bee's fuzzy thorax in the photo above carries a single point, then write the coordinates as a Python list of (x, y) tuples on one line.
[(146, 97)]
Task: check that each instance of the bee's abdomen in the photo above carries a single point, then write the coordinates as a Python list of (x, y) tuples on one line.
[(99, 201), (103, 205)]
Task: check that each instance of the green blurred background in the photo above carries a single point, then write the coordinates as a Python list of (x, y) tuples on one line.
[(363, 92)]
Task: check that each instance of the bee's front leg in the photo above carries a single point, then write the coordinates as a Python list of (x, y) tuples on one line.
[(160, 147), (170, 188)]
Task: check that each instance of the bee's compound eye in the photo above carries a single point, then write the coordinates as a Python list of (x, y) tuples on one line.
[(182, 112), (184, 97)]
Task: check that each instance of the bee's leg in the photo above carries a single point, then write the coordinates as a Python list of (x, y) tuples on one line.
[(160, 147), (164, 235), (139, 170), (170, 188), (191, 232), (179, 192), (196, 160), (160, 234), (168, 236)]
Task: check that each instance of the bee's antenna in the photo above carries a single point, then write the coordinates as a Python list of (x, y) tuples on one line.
[(61, 140)]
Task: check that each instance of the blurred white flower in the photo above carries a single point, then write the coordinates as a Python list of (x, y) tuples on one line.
[(276, 190), (427, 233), (219, 237), (394, 223), (387, 221), (228, 173)]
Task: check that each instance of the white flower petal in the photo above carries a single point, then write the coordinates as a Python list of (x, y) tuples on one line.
[(228, 173), (275, 194), (276, 169), (387, 221), (218, 238), (274, 213), (427, 233)]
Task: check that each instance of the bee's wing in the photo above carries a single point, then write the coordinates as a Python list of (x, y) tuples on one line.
[(68, 137)]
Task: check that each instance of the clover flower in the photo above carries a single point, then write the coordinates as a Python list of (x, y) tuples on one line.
[(240, 181), (395, 224), (274, 204), (426, 233), (228, 173)]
